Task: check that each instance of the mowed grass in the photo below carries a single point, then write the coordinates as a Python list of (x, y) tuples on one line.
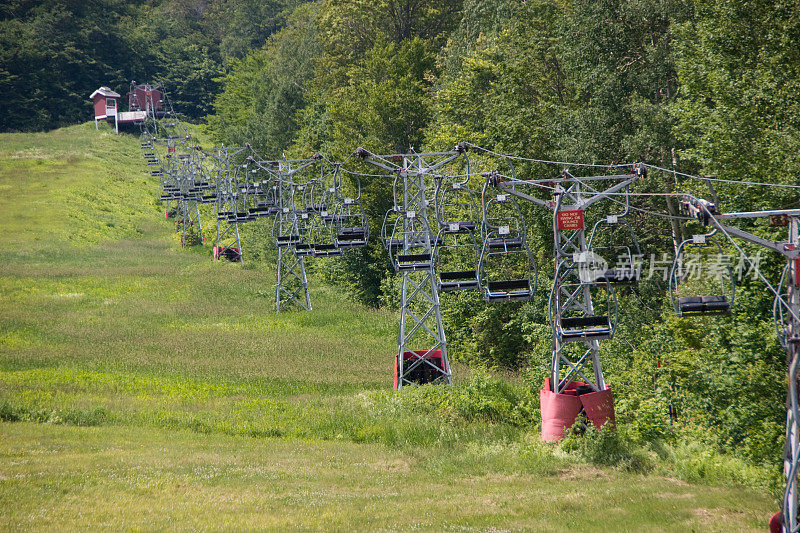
[(146, 387)]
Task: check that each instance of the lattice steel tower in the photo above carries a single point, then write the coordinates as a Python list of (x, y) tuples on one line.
[(422, 346)]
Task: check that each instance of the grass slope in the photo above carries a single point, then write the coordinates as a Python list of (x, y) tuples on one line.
[(143, 386)]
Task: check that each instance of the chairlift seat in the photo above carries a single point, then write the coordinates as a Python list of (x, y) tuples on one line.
[(508, 243), (326, 250), (287, 240), (393, 244), (355, 236), (411, 262), (301, 249), (396, 244), (513, 289), (586, 327), (458, 280), (703, 305), (619, 275)]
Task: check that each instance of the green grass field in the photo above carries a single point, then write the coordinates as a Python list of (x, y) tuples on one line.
[(145, 387)]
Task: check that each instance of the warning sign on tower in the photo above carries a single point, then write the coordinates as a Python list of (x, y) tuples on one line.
[(568, 220)]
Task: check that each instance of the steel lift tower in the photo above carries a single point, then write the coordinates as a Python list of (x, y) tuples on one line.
[(789, 333), (422, 347), (291, 286), (578, 317), (188, 212), (228, 244)]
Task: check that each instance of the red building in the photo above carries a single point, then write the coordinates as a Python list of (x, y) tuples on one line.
[(105, 108), (145, 97)]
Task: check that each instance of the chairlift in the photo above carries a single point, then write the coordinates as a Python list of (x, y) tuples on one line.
[(351, 227), (321, 237), (284, 229), (690, 292), (457, 251), (304, 227), (572, 317), (613, 241), (259, 191), (507, 270), (411, 243)]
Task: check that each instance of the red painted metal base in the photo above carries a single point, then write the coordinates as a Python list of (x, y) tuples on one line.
[(559, 411), (776, 523), (423, 373)]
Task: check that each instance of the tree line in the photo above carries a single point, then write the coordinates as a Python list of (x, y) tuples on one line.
[(54, 54)]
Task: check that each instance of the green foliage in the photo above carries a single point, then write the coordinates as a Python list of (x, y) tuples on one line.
[(737, 112), (483, 398), (264, 91), (54, 54), (606, 447)]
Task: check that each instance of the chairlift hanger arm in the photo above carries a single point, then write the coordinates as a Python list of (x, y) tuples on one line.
[(383, 161), (601, 195), (759, 214), (446, 158), (703, 209), (508, 187), (775, 246)]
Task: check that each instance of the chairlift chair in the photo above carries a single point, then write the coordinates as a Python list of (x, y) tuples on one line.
[(572, 319), (457, 252), (322, 238), (350, 223), (612, 239), (284, 228), (693, 297), (304, 222), (507, 270), (351, 227), (411, 243)]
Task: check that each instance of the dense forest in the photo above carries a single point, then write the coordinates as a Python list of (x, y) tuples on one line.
[(704, 86)]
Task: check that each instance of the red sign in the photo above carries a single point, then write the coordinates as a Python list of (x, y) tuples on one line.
[(568, 220), (170, 148)]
